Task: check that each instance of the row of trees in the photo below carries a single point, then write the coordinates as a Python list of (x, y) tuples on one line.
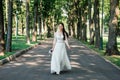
[(2, 43), (39, 17), (29, 17), (81, 11)]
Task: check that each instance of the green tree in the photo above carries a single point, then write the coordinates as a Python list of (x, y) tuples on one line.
[(34, 38), (9, 28), (27, 22), (91, 27), (2, 42), (72, 17), (84, 20), (48, 12), (113, 24), (17, 12), (97, 24), (79, 19)]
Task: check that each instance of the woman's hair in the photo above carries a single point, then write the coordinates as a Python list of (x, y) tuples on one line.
[(64, 31)]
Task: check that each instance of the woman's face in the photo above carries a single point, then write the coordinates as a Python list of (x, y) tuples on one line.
[(60, 27)]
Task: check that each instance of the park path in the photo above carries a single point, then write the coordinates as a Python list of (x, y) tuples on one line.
[(35, 65)]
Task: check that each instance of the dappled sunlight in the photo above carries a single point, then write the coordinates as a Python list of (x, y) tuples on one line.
[(33, 33), (31, 51), (18, 64), (44, 46), (92, 64), (84, 50), (39, 55), (88, 70), (12, 65), (48, 42), (77, 46), (80, 77), (117, 56), (75, 66), (36, 63), (27, 55), (74, 55), (31, 63)]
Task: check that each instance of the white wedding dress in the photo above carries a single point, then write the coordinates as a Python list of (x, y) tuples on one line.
[(59, 60)]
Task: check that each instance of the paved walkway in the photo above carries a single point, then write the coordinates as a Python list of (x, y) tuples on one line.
[(35, 65)]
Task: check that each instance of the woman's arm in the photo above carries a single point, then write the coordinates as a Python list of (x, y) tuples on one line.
[(66, 41), (54, 41)]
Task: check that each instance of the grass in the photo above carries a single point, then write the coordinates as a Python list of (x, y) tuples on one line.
[(114, 58), (18, 43), (6, 55)]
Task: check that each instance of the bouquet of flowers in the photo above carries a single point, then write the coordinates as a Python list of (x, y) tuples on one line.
[(50, 51)]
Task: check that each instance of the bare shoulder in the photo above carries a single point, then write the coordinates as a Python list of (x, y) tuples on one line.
[(55, 33)]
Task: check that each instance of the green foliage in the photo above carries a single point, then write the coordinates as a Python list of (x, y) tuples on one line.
[(114, 59), (18, 44), (106, 12), (47, 9), (6, 55), (48, 6)]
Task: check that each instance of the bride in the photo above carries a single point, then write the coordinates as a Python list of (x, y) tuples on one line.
[(60, 61)]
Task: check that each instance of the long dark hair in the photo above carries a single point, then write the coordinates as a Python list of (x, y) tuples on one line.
[(64, 32)]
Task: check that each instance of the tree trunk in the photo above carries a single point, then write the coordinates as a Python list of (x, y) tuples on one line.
[(92, 32), (78, 30), (16, 20), (97, 25), (101, 29), (6, 16), (84, 20), (34, 38), (2, 42), (27, 22), (73, 29), (45, 26), (78, 13), (22, 28), (48, 32), (91, 29), (53, 18), (39, 25), (111, 47), (84, 38), (69, 28), (42, 30), (79, 24), (69, 24), (9, 28), (41, 19), (89, 14)]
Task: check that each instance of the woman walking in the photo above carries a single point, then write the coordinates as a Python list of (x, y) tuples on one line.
[(60, 61)]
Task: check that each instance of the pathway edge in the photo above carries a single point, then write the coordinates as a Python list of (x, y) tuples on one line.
[(17, 54), (106, 60)]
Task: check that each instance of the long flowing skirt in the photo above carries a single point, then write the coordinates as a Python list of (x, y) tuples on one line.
[(60, 59)]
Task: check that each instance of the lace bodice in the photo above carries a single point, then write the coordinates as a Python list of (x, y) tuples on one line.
[(59, 37)]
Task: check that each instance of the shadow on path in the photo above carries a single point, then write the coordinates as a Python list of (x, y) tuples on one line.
[(35, 65)]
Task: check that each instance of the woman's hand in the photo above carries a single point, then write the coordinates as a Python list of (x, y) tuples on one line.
[(69, 47), (52, 49)]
